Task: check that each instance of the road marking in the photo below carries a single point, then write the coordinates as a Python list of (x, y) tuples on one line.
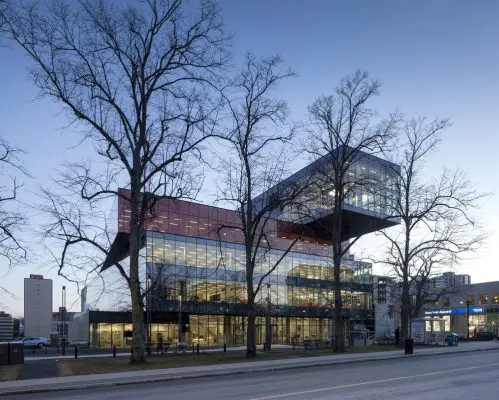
[(277, 396)]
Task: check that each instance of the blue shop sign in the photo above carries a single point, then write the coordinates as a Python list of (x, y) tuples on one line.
[(454, 311)]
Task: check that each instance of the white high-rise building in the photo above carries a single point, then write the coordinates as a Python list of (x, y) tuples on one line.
[(37, 306)]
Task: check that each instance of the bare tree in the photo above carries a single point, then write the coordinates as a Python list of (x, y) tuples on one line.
[(139, 79), (342, 134), (437, 223), (253, 165), (11, 219)]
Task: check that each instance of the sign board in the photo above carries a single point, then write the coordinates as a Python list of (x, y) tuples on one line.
[(454, 311), (417, 330)]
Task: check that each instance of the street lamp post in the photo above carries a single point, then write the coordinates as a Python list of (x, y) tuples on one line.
[(467, 318), (179, 319), (63, 309), (268, 325), (148, 314)]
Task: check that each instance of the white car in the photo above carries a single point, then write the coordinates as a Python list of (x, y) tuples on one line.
[(34, 341)]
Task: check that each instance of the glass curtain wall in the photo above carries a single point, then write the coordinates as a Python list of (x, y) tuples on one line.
[(201, 271)]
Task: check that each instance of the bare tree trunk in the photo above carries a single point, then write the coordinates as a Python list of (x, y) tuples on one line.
[(405, 310), (138, 354), (339, 327), (406, 300), (251, 332)]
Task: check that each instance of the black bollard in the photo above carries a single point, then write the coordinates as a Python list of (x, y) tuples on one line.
[(225, 348), (131, 351), (76, 352), (305, 346), (197, 348), (264, 347), (294, 345)]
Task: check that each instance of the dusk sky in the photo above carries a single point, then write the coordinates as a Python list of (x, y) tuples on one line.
[(434, 58)]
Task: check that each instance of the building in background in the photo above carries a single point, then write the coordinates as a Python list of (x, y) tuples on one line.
[(61, 325), (17, 328), (386, 304), (6, 327), (196, 278), (83, 299), (473, 310), (448, 280), (37, 306)]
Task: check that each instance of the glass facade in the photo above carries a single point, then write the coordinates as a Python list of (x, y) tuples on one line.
[(203, 270), (370, 185), (206, 280), (193, 263)]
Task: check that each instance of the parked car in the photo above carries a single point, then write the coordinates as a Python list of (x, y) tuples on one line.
[(34, 341), (486, 336)]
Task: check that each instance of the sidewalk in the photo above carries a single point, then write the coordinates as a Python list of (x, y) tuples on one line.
[(133, 377), (70, 353)]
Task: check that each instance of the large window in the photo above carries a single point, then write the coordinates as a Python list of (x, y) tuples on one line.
[(205, 271)]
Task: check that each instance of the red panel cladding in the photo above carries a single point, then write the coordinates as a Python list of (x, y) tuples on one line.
[(123, 212), (196, 220), (204, 211), (213, 216), (193, 210)]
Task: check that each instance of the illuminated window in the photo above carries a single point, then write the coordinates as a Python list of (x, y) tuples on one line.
[(483, 299), (495, 299)]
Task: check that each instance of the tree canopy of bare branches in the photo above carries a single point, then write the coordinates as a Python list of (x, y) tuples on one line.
[(437, 223), (140, 79), (258, 142), (11, 219), (342, 131)]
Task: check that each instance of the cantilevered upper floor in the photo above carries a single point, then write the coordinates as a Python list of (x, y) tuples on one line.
[(370, 186)]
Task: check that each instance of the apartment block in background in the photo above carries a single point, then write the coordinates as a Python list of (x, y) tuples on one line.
[(37, 306), (6, 326)]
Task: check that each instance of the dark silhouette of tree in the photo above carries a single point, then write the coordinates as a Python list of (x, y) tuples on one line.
[(342, 131), (254, 163), (437, 224), (140, 79), (11, 219)]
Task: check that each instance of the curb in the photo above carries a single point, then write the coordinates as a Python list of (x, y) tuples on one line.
[(205, 374)]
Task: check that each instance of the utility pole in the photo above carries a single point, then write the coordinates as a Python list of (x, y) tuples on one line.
[(268, 325), (468, 319), (63, 310), (148, 309), (179, 319)]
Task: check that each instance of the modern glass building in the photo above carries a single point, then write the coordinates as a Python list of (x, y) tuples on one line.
[(196, 281)]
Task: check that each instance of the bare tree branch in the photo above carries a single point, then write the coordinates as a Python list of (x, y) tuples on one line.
[(142, 80), (253, 164), (11, 219), (342, 136), (437, 224)]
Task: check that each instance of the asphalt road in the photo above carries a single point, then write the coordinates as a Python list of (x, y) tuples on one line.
[(460, 376)]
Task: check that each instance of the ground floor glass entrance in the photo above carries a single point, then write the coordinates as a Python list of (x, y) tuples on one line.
[(217, 330)]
